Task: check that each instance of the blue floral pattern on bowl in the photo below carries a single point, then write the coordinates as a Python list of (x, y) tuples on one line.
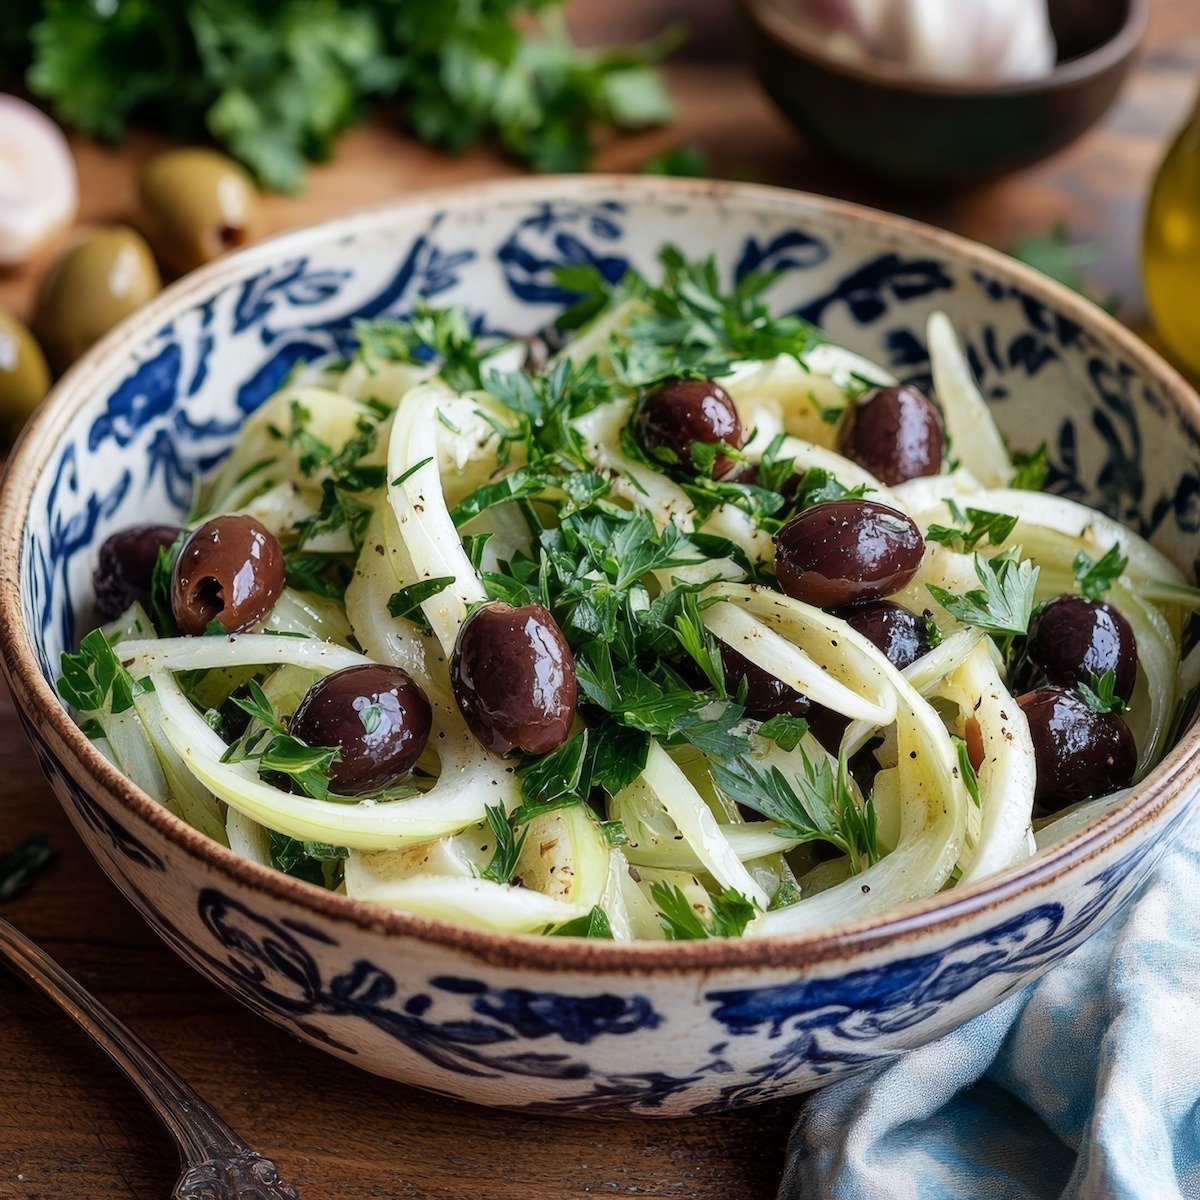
[(164, 403)]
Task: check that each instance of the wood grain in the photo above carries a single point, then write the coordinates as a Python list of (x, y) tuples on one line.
[(68, 1126)]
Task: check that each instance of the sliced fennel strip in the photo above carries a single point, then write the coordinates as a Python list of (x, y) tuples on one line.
[(694, 820), (1007, 775), (146, 656), (974, 439), (470, 780), (422, 516), (816, 651)]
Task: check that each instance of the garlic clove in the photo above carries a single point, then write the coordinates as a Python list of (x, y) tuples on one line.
[(39, 188), (985, 41)]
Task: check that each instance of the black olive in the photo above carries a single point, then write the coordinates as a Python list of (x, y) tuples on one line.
[(900, 635), (513, 676), (1080, 753), (126, 566), (895, 433), (375, 715), (1071, 639), (678, 413), (766, 696), (230, 570), (827, 726), (847, 552)]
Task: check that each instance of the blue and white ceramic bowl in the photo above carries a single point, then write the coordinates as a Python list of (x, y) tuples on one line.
[(548, 1024)]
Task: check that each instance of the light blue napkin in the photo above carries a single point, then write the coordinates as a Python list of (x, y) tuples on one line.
[(1085, 1086)]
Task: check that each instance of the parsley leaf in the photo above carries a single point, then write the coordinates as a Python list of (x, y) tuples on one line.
[(690, 324), (730, 912), (267, 743), (1100, 694), (161, 612), (994, 528), (93, 680), (314, 862), (508, 847), (1056, 255), (594, 925), (560, 773), (687, 161), (1005, 602), (325, 575), (1031, 470), (815, 805), (18, 865), (787, 732), (407, 601), (1094, 578)]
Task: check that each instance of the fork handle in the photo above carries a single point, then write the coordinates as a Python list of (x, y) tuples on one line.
[(198, 1131)]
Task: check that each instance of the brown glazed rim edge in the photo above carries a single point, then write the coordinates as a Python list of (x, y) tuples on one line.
[(1162, 788), (775, 24)]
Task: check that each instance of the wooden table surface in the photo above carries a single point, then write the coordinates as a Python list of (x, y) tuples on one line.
[(69, 1126)]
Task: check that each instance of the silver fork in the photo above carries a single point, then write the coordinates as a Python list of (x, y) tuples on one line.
[(217, 1164)]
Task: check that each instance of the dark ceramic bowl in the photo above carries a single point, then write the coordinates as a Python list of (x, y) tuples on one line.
[(921, 133)]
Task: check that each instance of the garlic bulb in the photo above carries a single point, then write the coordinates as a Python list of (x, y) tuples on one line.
[(39, 190), (987, 41)]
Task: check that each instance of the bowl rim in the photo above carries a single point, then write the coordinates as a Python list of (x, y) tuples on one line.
[(41, 708), (774, 23)]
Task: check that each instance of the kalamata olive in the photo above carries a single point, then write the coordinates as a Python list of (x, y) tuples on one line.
[(766, 696), (847, 552), (24, 375), (1072, 638), (827, 726), (678, 413), (1080, 754), (194, 205), (900, 635), (513, 676), (126, 566), (895, 433), (103, 276), (230, 570), (377, 718)]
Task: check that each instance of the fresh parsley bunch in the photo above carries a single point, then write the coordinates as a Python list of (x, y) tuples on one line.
[(274, 81)]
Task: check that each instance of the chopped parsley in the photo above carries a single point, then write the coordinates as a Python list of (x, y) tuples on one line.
[(407, 601), (1100, 694), (730, 913), (94, 681), (690, 324), (1094, 577), (508, 846), (815, 804), (314, 862), (594, 925), (267, 743), (20, 864), (1031, 470), (1003, 605), (974, 527)]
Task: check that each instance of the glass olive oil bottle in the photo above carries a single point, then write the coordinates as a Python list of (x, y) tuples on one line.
[(1172, 247)]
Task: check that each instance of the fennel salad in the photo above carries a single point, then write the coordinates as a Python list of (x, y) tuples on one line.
[(676, 621)]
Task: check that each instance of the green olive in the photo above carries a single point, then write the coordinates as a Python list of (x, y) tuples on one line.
[(98, 280), (24, 375), (195, 205)]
